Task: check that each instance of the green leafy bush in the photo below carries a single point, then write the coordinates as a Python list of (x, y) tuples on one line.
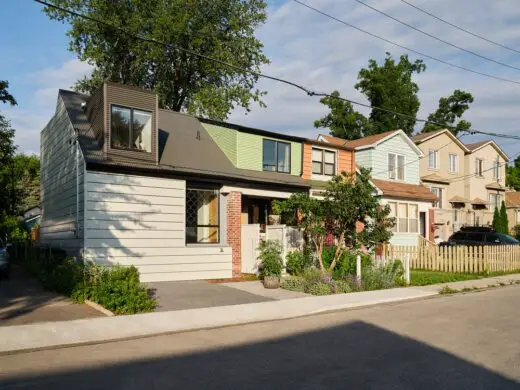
[(294, 283), (377, 278), (297, 261), (516, 232), (321, 288), (346, 264), (342, 287), (116, 288), (271, 258)]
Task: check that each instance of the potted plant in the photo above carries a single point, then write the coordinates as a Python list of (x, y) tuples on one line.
[(272, 263)]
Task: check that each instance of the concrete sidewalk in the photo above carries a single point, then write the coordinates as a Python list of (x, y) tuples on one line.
[(99, 330)]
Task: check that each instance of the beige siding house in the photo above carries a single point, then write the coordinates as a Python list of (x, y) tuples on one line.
[(469, 180), (513, 209)]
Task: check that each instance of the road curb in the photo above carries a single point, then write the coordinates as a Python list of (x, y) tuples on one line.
[(54, 335), (99, 308)]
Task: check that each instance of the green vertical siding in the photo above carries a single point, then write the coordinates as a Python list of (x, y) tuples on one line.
[(249, 153), (225, 138)]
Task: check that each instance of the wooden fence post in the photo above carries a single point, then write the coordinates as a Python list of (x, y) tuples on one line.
[(407, 269)]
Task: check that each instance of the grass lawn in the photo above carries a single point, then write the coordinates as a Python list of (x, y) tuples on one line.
[(423, 278)]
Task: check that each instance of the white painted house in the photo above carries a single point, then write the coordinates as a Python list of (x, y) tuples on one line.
[(124, 182), (393, 159)]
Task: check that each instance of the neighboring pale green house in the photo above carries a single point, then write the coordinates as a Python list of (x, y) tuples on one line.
[(393, 159)]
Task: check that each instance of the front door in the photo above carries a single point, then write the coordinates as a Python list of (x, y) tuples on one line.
[(422, 222)]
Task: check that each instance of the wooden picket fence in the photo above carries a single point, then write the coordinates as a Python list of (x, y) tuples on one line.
[(467, 259)]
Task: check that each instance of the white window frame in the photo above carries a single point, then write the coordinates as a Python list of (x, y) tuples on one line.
[(438, 203), (435, 154), (409, 206), (393, 174), (497, 203), (479, 168), (496, 169), (323, 163), (453, 167)]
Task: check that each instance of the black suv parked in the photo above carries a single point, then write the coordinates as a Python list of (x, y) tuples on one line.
[(477, 235)]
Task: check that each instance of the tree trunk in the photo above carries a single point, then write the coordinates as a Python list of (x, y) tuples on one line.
[(339, 251)]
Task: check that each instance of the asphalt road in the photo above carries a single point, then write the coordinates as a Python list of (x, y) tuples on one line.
[(463, 341)]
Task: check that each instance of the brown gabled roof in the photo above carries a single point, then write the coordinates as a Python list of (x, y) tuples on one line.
[(495, 186), (329, 145), (458, 199), (420, 137), (435, 178), (479, 201), (513, 199), (404, 190), (371, 139), (476, 145)]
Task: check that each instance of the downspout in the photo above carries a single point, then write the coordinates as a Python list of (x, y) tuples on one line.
[(77, 182)]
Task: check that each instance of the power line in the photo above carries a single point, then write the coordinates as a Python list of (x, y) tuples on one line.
[(262, 75), (417, 159), (435, 37), (404, 47), (485, 170), (459, 28)]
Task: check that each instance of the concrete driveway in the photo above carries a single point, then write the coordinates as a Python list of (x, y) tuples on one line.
[(24, 301), (197, 294)]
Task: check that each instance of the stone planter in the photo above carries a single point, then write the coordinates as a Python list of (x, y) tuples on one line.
[(271, 282)]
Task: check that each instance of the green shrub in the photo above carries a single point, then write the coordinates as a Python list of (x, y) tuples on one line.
[(377, 278), (271, 258), (294, 283), (297, 261), (341, 287), (346, 265), (320, 288), (312, 275), (516, 232)]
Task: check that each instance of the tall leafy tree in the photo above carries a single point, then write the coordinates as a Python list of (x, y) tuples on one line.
[(390, 86), (513, 175), (343, 120), (504, 221), (7, 150), (223, 29), (450, 110)]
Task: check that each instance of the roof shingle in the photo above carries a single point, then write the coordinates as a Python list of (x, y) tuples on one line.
[(369, 140), (513, 199), (405, 190)]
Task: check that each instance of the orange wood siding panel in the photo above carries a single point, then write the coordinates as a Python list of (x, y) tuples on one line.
[(346, 161), (307, 161)]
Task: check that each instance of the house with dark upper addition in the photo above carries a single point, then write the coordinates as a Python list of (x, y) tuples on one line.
[(393, 159), (125, 182), (469, 180)]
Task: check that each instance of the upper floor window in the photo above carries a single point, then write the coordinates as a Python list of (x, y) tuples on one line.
[(479, 167), (131, 129), (433, 159), (437, 191), (276, 156), (396, 165), (454, 162), (496, 169), (495, 201), (323, 162)]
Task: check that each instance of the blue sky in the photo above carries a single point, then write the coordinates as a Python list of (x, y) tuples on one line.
[(305, 47)]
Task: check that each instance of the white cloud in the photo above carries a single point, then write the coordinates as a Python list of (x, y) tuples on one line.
[(317, 52), (36, 110)]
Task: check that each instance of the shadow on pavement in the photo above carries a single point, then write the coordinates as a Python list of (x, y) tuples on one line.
[(351, 356)]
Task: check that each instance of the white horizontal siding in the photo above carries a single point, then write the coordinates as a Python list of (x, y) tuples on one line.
[(399, 145), (140, 221), (58, 175)]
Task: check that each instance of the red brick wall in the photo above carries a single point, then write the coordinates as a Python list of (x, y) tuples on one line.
[(234, 209), (431, 227)]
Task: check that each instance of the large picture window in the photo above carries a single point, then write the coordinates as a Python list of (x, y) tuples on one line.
[(406, 215), (276, 156), (202, 216), (131, 129), (323, 162)]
